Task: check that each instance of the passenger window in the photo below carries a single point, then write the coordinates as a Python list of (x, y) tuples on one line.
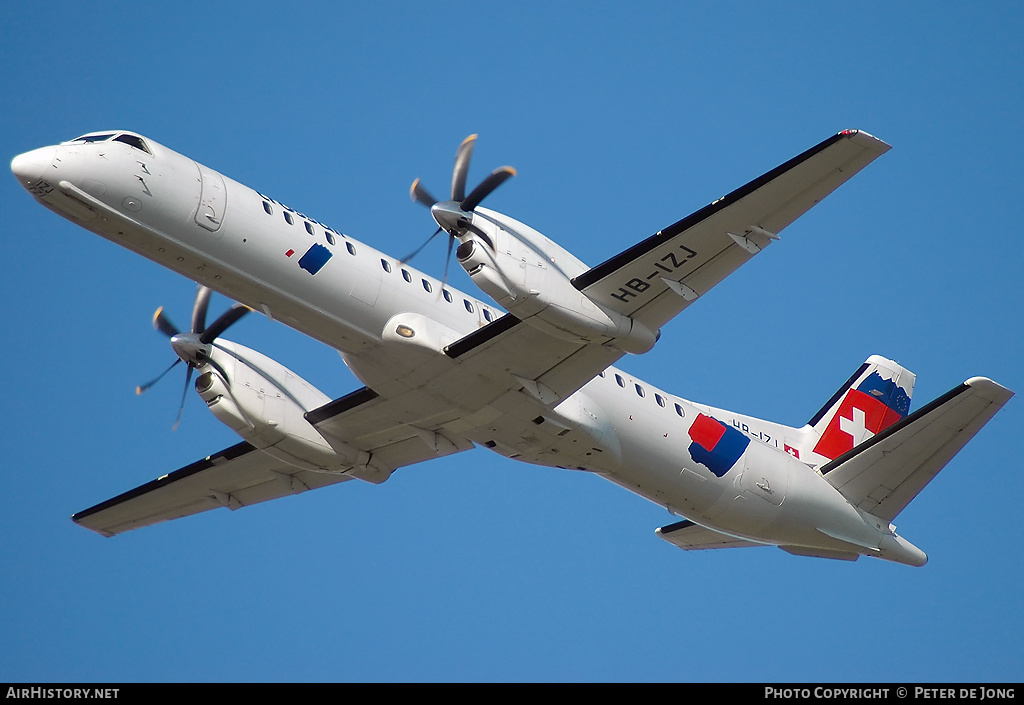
[(406, 276), (487, 315), (620, 381), (288, 218), (660, 399), (330, 237), (267, 207), (679, 410), (469, 306), (426, 286), (447, 295), (639, 389), (386, 265), (351, 249), (309, 228)]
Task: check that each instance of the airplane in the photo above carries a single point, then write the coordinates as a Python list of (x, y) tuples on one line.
[(529, 375)]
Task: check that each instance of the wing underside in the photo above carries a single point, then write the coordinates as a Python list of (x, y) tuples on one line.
[(236, 477), (243, 475), (656, 279)]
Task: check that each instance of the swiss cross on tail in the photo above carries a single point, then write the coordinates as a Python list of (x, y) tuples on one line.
[(874, 405)]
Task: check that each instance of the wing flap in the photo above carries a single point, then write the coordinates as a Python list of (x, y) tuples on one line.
[(401, 430), (694, 537), (517, 351), (882, 475)]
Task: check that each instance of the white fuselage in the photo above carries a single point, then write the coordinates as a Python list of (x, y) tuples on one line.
[(343, 293)]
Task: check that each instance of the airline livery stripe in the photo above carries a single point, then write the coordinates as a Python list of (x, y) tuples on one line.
[(838, 395)]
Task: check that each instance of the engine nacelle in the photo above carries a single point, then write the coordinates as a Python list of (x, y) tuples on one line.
[(531, 277), (265, 403)]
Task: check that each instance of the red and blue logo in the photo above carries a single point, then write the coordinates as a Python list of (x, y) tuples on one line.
[(715, 445)]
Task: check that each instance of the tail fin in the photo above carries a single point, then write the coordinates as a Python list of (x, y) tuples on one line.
[(874, 398), (884, 474)]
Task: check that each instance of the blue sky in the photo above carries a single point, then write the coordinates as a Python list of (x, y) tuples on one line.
[(621, 119)]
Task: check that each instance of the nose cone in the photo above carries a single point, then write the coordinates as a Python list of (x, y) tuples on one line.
[(30, 168)]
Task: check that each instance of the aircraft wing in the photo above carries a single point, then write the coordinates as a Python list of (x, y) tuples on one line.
[(656, 279), (694, 537), (884, 473), (235, 477), (243, 475)]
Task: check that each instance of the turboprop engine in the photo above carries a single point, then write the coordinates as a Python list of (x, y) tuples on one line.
[(259, 398), (531, 277), (265, 403), (522, 270)]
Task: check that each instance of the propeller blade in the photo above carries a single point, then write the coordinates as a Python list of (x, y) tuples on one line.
[(163, 324), (418, 249), (462, 156), (199, 309), (420, 194), (142, 389), (226, 320), (496, 179), (447, 261), (184, 394)]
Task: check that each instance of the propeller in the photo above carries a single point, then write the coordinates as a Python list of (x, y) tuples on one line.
[(192, 347), (451, 216)]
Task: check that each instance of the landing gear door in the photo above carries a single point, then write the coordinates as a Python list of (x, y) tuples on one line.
[(213, 201)]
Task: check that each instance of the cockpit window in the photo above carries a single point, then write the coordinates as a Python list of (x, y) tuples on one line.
[(134, 141), (99, 137)]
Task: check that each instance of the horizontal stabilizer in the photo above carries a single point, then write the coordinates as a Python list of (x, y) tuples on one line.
[(884, 473), (694, 537)]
